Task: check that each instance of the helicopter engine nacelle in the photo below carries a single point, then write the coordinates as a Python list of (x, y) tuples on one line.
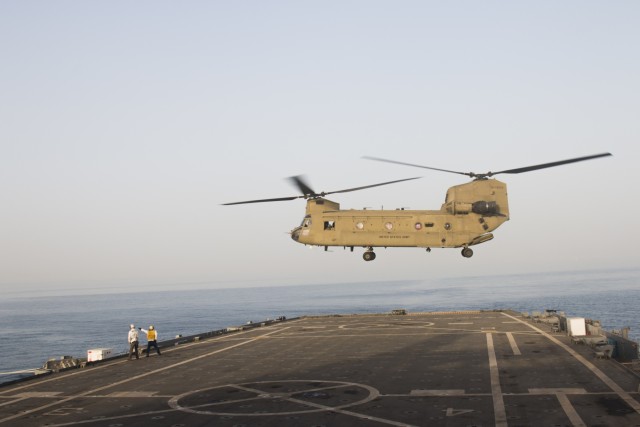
[(480, 208), (486, 197), (485, 208)]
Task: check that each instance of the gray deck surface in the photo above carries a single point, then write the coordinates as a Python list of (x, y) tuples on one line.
[(437, 369)]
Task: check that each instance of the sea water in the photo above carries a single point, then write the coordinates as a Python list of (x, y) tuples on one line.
[(33, 329)]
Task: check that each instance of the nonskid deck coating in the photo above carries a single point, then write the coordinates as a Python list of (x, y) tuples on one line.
[(428, 369)]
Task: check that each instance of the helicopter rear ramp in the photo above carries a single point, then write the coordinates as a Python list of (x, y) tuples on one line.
[(431, 369)]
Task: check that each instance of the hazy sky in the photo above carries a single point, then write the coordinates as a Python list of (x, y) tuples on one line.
[(125, 125)]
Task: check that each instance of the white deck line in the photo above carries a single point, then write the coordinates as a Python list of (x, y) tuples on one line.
[(571, 412), (597, 372), (514, 345), (13, 401), (108, 363), (154, 372), (499, 411)]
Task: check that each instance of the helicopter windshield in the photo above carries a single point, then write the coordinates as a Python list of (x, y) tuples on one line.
[(306, 222)]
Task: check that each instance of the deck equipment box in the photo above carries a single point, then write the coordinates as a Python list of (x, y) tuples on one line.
[(98, 354), (576, 326)]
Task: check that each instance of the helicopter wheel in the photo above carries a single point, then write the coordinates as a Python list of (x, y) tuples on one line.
[(369, 256), (467, 252)]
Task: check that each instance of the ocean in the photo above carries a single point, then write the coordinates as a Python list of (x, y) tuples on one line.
[(36, 328)]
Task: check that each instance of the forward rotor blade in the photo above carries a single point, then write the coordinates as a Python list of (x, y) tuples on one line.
[(277, 199), (302, 186), (310, 194), (550, 165), (368, 186), (471, 174)]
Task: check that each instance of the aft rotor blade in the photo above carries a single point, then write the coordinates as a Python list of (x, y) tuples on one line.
[(417, 166), (552, 164), (277, 199), (369, 186)]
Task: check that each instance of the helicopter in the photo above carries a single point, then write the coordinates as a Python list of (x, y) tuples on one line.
[(468, 216)]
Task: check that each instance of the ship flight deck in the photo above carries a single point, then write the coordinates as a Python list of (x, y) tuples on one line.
[(480, 368)]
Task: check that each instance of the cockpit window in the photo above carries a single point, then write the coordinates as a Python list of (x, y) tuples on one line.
[(306, 222)]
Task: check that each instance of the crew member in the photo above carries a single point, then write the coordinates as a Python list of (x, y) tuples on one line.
[(133, 341), (152, 339)]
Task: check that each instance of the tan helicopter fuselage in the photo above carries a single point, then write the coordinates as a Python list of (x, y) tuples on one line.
[(470, 213)]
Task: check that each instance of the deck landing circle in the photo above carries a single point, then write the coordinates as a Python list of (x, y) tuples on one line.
[(390, 325), (268, 398)]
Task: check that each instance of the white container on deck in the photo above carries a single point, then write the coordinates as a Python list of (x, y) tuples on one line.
[(576, 326), (98, 354)]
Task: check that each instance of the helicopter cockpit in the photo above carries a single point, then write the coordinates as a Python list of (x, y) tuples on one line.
[(303, 228)]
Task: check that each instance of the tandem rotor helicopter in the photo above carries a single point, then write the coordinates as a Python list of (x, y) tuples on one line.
[(467, 217)]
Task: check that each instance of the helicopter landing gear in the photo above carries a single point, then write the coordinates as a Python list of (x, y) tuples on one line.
[(467, 252), (369, 255)]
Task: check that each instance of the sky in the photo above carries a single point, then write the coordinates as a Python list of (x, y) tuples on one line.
[(126, 126)]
